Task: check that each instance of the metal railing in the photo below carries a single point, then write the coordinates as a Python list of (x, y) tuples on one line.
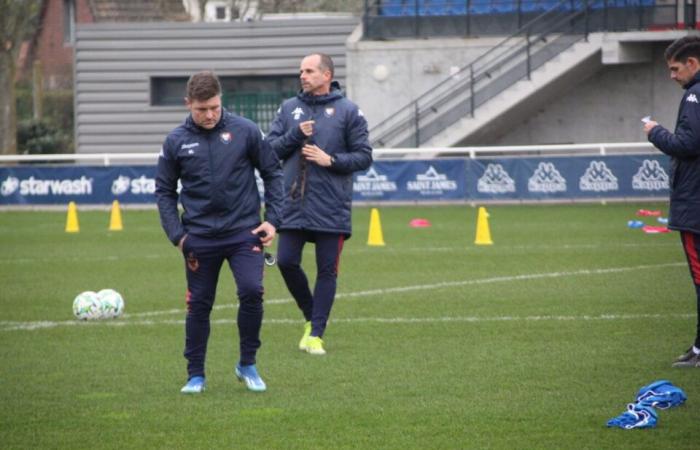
[(108, 159), (511, 60)]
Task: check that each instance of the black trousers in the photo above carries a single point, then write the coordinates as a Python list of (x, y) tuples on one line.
[(203, 260)]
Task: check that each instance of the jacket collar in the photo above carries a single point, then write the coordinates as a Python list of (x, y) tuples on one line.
[(334, 94), (190, 125), (692, 82)]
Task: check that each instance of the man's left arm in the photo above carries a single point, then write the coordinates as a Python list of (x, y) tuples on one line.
[(266, 161), (359, 152), (685, 141)]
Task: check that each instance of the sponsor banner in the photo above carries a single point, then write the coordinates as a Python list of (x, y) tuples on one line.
[(412, 181), (568, 177), (82, 184)]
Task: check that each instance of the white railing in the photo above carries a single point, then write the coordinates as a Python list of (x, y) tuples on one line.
[(380, 153)]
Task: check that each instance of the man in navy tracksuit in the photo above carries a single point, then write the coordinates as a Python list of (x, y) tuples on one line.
[(214, 155), (322, 139), (683, 146)]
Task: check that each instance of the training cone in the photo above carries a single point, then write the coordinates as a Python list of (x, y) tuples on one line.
[(115, 217), (72, 219), (375, 229), (483, 233)]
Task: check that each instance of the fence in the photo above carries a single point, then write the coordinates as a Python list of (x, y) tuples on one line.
[(476, 174)]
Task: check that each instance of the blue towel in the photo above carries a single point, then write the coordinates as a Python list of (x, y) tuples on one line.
[(636, 416), (661, 394)]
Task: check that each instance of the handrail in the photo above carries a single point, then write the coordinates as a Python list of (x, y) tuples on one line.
[(489, 61), (420, 119), (378, 153)]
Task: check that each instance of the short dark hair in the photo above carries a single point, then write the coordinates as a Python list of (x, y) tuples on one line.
[(326, 63), (202, 86), (682, 49)]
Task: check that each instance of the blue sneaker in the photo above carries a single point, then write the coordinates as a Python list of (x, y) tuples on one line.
[(249, 375), (195, 385)]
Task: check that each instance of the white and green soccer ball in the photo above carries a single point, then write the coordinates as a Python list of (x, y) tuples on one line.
[(112, 303), (87, 306)]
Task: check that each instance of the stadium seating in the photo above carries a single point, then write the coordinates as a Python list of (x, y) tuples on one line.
[(426, 8)]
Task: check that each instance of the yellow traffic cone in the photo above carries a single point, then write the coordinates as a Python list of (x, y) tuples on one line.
[(375, 229), (115, 217), (72, 219), (483, 233)]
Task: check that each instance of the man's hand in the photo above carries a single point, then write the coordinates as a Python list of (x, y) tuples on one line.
[(307, 127), (314, 154), (648, 126), (267, 232), (181, 244)]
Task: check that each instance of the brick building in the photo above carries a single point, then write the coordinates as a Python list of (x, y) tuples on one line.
[(53, 43)]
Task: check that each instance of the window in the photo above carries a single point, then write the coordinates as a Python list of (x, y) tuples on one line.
[(256, 98), (69, 22), (168, 91)]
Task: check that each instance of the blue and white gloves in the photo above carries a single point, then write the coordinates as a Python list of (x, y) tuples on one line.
[(636, 416), (660, 394)]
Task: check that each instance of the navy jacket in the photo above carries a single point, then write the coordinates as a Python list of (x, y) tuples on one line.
[(683, 146), (320, 198), (216, 169)]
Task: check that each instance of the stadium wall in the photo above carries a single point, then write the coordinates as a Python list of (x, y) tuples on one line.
[(115, 63), (384, 76)]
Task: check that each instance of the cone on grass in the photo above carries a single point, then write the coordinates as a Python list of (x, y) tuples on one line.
[(72, 225), (375, 229), (483, 233), (115, 217)]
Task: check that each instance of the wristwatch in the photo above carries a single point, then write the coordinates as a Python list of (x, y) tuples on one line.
[(332, 160)]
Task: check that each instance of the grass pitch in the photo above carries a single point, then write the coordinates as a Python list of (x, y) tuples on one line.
[(533, 342)]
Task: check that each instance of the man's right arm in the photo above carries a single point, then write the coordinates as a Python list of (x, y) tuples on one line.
[(167, 176), (685, 142), (284, 141)]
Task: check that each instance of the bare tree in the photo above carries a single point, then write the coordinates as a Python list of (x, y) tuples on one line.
[(18, 22)]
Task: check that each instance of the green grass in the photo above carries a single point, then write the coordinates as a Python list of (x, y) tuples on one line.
[(433, 342)]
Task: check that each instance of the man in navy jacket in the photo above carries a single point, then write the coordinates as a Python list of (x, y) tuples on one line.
[(322, 139), (214, 155), (683, 146)]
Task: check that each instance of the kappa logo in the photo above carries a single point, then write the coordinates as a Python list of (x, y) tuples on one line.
[(650, 177), (431, 183), (373, 184), (692, 98), (547, 179), (495, 180), (9, 186), (598, 178), (297, 113)]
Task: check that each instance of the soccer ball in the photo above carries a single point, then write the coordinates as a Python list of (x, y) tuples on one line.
[(87, 306), (112, 303)]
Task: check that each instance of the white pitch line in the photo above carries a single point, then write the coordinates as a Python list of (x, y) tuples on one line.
[(443, 284), (6, 325), (28, 326)]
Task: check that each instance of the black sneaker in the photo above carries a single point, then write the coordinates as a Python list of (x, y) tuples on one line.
[(688, 359)]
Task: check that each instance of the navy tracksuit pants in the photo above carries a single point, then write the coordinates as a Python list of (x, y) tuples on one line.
[(316, 307), (691, 246), (203, 260)]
